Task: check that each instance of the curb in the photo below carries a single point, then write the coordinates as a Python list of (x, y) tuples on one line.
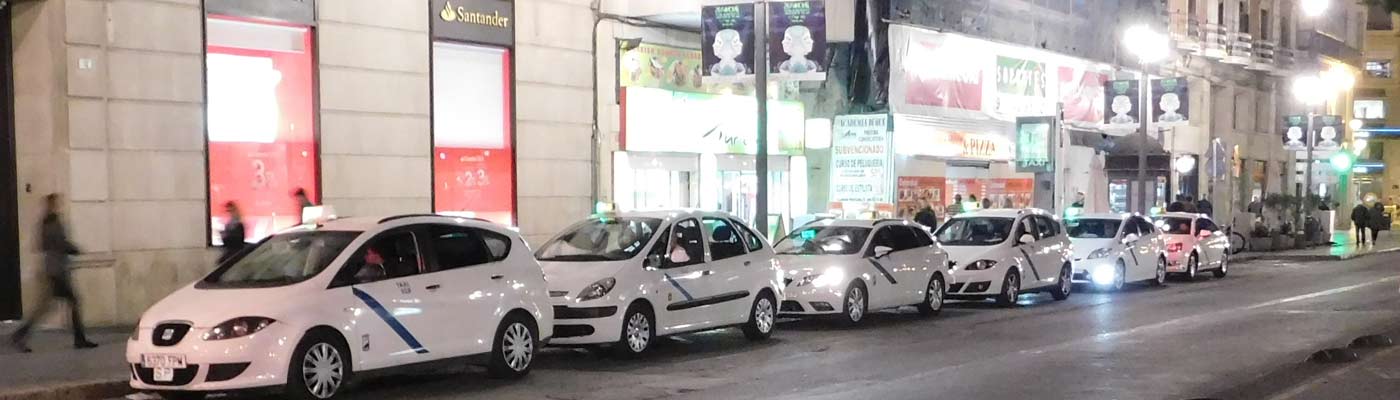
[(1310, 257), (72, 391)]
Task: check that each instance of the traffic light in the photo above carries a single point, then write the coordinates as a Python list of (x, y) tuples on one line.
[(1342, 161)]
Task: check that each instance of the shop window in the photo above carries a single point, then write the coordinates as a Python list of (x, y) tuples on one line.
[(261, 126), (1378, 68), (1369, 109), (473, 163)]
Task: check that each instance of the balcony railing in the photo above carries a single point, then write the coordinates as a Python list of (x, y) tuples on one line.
[(1263, 55), (1217, 44), (1186, 31), (1241, 49)]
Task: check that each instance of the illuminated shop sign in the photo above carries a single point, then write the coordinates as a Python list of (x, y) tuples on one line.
[(666, 121), (479, 21)]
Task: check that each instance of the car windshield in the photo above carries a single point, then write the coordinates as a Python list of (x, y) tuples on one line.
[(601, 239), (1176, 225), (1093, 228), (282, 259), (823, 240), (976, 231)]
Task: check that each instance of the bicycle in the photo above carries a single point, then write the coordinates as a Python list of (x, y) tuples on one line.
[(1238, 242)]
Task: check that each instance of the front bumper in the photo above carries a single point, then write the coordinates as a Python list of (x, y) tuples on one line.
[(810, 300), (575, 324), (980, 283), (1084, 270), (255, 361)]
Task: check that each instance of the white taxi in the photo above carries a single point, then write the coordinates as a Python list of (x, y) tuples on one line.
[(1194, 243), (1111, 250), (306, 310), (849, 267), (1004, 253), (626, 279)]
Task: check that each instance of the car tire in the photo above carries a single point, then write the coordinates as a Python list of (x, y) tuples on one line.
[(182, 395), (1120, 276), (1161, 277), (1224, 266), (1065, 284), (1193, 265), (514, 349), (763, 318), (638, 331), (933, 296), (320, 368), (1010, 289), (855, 304)]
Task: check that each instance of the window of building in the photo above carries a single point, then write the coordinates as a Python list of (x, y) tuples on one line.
[(473, 160), (1369, 109), (1378, 18), (261, 128), (1285, 31), (1264, 27), (1244, 17), (1378, 68)]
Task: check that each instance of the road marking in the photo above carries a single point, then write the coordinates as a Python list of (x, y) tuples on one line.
[(1178, 322)]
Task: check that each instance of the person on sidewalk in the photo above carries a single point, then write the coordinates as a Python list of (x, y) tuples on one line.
[(234, 236), (1359, 217), (1205, 207), (58, 252), (957, 206), (1177, 206), (1377, 220), (926, 216)]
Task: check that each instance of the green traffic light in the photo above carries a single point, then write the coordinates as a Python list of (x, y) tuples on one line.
[(1341, 161)]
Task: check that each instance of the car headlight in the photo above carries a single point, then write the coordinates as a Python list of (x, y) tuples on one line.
[(237, 328), (597, 289), (981, 265), (1100, 253), (1104, 274), (832, 277), (806, 280)]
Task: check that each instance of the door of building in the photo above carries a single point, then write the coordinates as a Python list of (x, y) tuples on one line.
[(10, 307)]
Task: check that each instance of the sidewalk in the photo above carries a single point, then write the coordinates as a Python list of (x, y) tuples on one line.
[(55, 370), (1345, 248)]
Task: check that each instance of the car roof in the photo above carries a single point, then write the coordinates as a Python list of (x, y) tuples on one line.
[(1003, 213), (672, 214), (1104, 216), (362, 224), (1182, 215), (864, 223)]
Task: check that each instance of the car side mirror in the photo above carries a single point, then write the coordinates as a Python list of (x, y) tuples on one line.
[(652, 262), (882, 251), (1130, 238), (1025, 238)]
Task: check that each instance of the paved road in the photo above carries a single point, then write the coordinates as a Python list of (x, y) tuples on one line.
[(1185, 340)]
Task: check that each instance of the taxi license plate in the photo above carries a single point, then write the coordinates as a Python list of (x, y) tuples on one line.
[(163, 361), (163, 375)]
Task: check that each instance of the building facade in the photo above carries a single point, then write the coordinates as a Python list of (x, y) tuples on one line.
[(149, 115)]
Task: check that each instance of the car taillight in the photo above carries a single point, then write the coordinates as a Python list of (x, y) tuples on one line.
[(1174, 247)]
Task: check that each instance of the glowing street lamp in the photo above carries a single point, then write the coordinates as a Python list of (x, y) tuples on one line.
[(1313, 8), (1149, 46)]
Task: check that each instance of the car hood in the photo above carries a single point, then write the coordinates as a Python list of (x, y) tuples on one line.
[(205, 308), (1082, 247), (967, 254), (572, 276), (796, 266)]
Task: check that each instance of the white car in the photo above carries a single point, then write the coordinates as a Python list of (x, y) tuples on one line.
[(1004, 253), (626, 279), (308, 309), (849, 267), (1194, 243), (1111, 250)]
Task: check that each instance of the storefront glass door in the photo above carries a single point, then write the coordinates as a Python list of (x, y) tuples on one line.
[(661, 189), (739, 194)]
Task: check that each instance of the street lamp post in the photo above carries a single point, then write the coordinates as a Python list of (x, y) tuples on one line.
[(1149, 46), (1313, 90)]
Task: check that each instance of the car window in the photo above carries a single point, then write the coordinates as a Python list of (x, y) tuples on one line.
[(457, 247), (904, 238), (281, 260), (724, 239), (921, 236), (884, 237), (686, 246), (1026, 227), (1131, 228), (497, 244), (1177, 225), (1145, 227), (388, 256), (750, 239), (974, 231), (815, 239), (1203, 224), (1046, 226), (1093, 228), (600, 239)]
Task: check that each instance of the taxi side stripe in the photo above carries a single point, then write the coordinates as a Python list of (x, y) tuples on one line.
[(883, 271), (678, 286), (391, 320)]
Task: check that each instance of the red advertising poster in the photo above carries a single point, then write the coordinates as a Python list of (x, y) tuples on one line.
[(1081, 91), (261, 128), (935, 74), (913, 192), (473, 161)]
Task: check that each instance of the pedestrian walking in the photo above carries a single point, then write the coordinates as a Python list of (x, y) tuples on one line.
[(235, 236), (1255, 206), (957, 206), (926, 216), (986, 203), (1078, 200), (1177, 206), (1359, 220), (303, 202), (1205, 207), (1378, 220), (57, 252)]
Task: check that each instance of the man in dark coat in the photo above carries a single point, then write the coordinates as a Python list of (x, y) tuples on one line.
[(57, 252), (235, 235), (1378, 220), (1360, 219), (926, 216)]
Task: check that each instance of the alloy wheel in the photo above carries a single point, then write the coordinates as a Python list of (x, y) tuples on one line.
[(519, 346), (935, 295), (1013, 287), (638, 332), (1161, 271), (322, 370), (855, 303), (763, 315)]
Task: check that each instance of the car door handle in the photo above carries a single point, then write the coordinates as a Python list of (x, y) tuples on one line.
[(497, 277), (433, 288)]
